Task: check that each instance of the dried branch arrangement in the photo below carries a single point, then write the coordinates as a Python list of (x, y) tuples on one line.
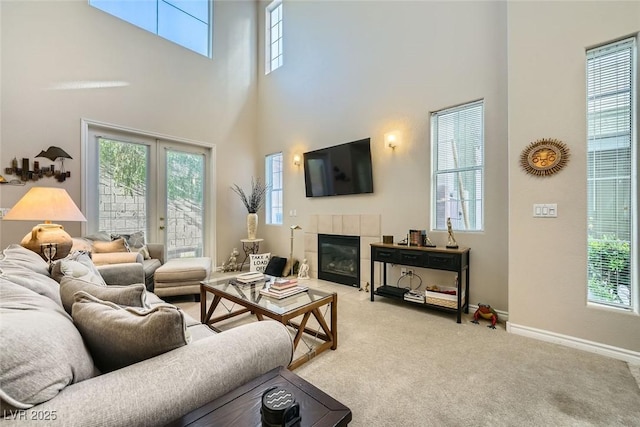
[(255, 200)]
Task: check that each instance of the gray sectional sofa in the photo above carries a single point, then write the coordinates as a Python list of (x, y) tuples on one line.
[(99, 365)]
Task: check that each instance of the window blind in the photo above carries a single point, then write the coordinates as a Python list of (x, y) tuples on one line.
[(610, 198), (458, 153)]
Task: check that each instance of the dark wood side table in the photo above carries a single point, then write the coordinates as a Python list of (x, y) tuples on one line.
[(241, 407)]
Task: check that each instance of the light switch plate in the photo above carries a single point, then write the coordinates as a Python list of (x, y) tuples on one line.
[(545, 210)]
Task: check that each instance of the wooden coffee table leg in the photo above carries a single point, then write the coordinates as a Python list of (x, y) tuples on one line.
[(334, 321), (328, 333), (214, 304), (203, 303), (300, 329)]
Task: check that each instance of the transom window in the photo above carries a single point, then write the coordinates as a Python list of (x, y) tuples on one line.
[(184, 22), (612, 193), (457, 142), (273, 36), (273, 179)]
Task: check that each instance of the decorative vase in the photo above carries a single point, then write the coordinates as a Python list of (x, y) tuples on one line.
[(252, 225)]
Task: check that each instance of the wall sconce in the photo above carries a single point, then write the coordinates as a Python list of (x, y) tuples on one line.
[(296, 160), (392, 139)]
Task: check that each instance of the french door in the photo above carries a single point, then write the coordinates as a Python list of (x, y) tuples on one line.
[(181, 172), (140, 182)]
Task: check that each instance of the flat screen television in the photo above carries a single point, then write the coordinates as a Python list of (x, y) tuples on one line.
[(339, 170)]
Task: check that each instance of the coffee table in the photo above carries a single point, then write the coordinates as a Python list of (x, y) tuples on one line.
[(304, 304), (241, 407)]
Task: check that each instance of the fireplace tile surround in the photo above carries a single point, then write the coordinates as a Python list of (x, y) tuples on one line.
[(367, 226)]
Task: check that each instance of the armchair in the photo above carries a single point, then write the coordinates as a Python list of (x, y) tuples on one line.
[(121, 267)]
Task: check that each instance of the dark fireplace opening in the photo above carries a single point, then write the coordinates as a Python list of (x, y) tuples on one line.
[(339, 259)]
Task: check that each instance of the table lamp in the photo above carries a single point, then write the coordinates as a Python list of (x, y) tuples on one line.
[(46, 204)]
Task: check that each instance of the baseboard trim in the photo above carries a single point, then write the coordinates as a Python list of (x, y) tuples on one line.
[(625, 355)]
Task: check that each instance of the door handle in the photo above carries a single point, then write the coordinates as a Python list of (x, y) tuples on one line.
[(162, 227), (161, 218)]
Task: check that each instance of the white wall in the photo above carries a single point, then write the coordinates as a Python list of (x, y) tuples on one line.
[(359, 69), (171, 91), (547, 257)]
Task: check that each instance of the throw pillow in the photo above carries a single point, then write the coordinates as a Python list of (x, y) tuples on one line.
[(77, 264), (118, 245), (100, 235), (117, 258), (42, 351), (38, 283), (258, 262), (135, 242), (144, 251), (120, 336), (81, 244), (275, 266), (24, 257), (131, 295)]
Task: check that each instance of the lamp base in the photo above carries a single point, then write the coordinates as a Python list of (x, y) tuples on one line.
[(48, 233)]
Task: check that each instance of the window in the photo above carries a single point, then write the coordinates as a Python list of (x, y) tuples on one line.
[(184, 22), (273, 36), (273, 179), (612, 194), (457, 142)]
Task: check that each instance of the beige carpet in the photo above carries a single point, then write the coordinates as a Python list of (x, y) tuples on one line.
[(398, 365)]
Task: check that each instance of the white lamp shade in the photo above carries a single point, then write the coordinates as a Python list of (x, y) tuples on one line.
[(45, 204)]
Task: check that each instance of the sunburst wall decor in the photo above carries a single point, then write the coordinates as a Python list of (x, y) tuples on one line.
[(544, 157)]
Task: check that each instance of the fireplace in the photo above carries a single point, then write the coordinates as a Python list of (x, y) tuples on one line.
[(339, 259)]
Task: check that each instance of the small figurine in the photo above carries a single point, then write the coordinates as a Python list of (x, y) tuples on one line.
[(303, 272), (451, 243), (486, 312), (232, 264), (426, 241)]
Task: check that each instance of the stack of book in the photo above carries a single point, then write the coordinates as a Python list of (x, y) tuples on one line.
[(281, 284), (415, 296), (282, 288), (249, 278)]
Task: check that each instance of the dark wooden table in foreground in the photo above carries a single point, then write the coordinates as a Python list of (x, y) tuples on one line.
[(283, 310), (241, 407)]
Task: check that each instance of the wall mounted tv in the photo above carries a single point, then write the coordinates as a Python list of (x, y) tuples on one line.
[(339, 170)]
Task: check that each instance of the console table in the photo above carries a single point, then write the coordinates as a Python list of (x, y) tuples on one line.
[(456, 260)]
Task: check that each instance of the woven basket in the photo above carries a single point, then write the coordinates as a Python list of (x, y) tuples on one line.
[(443, 302), (442, 299)]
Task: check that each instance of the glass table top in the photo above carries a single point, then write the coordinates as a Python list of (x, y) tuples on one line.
[(251, 293)]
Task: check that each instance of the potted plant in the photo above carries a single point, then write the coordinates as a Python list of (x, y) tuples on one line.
[(253, 202)]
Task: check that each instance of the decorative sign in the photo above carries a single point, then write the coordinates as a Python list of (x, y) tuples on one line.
[(258, 262), (544, 157)]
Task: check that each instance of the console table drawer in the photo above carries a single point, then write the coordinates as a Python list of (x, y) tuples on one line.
[(414, 258), (443, 261), (385, 255)]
